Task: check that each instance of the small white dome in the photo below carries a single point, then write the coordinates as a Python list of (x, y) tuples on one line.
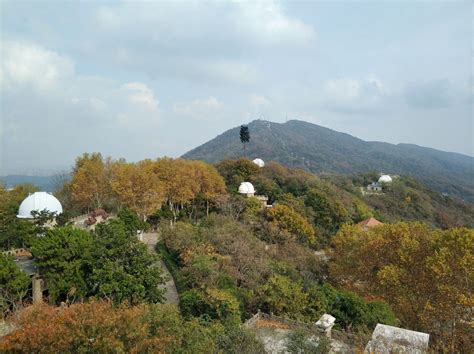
[(246, 188), (39, 201), (259, 162), (385, 179)]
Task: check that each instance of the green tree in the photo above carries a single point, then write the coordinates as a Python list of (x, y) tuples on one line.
[(131, 221), (329, 212), (42, 220), (211, 304), (285, 218), (110, 263), (63, 256), (299, 342), (281, 295), (238, 340), (14, 232), (237, 171), (14, 284), (244, 135), (122, 267)]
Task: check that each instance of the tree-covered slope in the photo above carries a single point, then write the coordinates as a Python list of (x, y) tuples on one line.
[(322, 150)]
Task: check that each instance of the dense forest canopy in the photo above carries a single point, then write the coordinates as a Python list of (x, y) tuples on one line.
[(230, 256)]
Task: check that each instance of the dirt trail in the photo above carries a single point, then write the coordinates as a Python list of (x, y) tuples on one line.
[(171, 294)]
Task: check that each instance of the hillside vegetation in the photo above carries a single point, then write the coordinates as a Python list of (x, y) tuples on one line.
[(299, 144), (231, 256), (408, 199)]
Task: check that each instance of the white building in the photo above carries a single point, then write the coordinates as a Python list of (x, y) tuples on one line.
[(385, 179), (259, 162), (374, 187), (39, 201), (247, 189)]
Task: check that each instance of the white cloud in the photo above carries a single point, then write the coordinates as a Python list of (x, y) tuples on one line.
[(201, 40), (46, 105), (258, 100), (141, 95), (267, 22), (348, 95), (199, 109), (28, 64)]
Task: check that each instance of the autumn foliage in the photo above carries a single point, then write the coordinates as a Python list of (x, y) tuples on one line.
[(99, 327), (290, 221), (426, 275), (95, 327), (145, 186)]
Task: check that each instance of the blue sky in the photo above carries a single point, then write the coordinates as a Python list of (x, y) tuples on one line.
[(147, 79)]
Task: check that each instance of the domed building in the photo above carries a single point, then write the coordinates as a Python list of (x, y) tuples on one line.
[(39, 201), (247, 189), (385, 179), (259, 162)]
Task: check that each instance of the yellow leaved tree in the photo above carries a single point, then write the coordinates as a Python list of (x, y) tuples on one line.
[(89, 185), (137, 187), (426, 275)]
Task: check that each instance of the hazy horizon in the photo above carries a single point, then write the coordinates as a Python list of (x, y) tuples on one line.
[(148, 79)]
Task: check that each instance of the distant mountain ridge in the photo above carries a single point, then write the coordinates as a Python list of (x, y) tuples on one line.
[(300, 144), (44, 183)]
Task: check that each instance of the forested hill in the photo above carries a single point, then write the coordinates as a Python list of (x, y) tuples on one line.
[(44, 183), (322, 150)]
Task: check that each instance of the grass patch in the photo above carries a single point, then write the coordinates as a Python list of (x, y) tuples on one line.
[(172, 266)]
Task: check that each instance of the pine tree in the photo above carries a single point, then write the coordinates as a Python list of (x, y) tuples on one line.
[(244, 135)]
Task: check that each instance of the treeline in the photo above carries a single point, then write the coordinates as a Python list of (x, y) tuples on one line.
[(176, 188), (144, 187)]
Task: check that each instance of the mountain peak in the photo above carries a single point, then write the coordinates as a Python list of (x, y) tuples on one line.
[(301, 144)]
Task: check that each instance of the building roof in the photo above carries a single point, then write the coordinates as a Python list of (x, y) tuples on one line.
[(370, 222), (39, 201), (259, 162), (27, 265), (385, 179), (246, 188)]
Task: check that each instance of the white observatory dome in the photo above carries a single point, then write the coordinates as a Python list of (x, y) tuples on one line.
[(385, 179), (39, 201), (259, 162), (246, 188)]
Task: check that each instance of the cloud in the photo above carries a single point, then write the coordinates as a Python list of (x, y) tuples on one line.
[(141, 95), (258, 100), (211, 41), (348, 95), (199, 109), (268, 23), (33, 66), (47, 107), (433, 94)]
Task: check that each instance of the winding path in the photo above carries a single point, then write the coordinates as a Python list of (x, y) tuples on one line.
[(171, 294)]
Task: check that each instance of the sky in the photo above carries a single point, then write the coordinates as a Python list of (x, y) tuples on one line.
[(148, 79)]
